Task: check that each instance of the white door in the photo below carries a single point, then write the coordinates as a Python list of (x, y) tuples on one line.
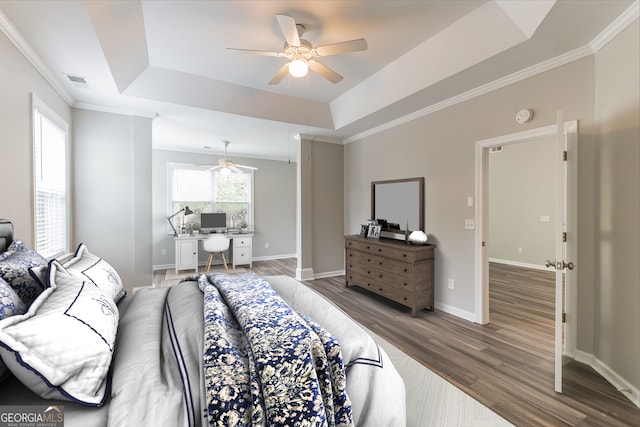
[(560, 263)]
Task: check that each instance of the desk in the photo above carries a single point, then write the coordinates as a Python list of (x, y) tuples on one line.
[(187, 250)]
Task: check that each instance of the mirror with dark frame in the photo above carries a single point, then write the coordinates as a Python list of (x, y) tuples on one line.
[(398, 202)]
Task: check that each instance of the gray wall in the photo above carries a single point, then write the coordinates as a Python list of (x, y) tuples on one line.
[(320, 238), (110, 172), (327, 207), (274, 210), (521, 190), (615, 175), (440, 147), (18, 79), (112, 201)]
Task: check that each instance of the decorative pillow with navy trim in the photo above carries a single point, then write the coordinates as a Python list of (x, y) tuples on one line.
[(95, 269), (10, 305), (14, 269), (62, 347)]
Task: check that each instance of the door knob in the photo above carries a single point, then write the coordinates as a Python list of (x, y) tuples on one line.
[(559, 265)]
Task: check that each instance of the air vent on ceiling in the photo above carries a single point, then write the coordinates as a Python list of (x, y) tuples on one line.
[(78, 81), (496, 149)]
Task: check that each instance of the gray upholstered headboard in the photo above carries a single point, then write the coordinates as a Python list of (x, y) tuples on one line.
[(6, 234)]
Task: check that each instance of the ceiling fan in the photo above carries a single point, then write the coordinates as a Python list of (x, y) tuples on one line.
[(227, 166), (301, 53)]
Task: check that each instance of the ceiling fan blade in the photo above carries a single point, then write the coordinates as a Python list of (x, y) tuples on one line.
[(247, 167), (280, 74), (210, 167), (289, 29), (325, 71), (256, 52), (342, 47)]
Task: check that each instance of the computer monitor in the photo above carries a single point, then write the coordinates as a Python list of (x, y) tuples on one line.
[(213, 222)]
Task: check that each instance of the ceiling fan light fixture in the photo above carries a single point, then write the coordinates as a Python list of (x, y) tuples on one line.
[(298, 68), (225, 171)]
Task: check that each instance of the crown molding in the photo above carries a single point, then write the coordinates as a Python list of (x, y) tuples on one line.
[(116, 110), (617, 26), (21, 44), (613, 29), (480, 90)]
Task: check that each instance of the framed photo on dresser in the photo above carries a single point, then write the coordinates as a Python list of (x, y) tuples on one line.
[(374, 231)]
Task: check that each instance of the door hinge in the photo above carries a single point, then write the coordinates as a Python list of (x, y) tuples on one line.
[(564, 236), (564, 317), (564, 155)]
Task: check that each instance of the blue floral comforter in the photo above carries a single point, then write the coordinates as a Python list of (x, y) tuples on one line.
[(264, 364)]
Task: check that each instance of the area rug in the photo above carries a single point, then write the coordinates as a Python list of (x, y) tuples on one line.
[(433, 401)]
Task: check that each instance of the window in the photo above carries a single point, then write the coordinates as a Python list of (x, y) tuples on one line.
[(204, 190), (50, 181)]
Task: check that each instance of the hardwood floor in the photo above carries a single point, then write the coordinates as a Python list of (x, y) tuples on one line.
[(507, 365)]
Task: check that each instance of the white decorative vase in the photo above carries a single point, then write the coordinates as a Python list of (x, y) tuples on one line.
[(418, 237)]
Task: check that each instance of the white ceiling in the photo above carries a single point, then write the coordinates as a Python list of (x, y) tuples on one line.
[(168, 60)]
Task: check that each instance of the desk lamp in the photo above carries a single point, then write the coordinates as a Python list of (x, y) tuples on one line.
[(186, 210)]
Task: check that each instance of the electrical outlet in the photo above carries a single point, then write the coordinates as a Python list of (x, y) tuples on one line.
[(267, 245), (452, 284), (519, 250), (164, 252), (469, 224)]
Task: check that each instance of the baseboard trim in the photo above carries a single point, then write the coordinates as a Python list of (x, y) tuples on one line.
[(258, 258), (270, 257), (519, 264), (623, 386), (303, 274), (328, 274), (466, 315)]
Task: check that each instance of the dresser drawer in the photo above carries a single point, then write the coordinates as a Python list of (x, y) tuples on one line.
[(400, 294), (241, 256), (242, 242), (392, 266), (384, 277), (397, 252)]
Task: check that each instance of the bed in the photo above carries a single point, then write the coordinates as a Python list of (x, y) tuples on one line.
[(214, 349)]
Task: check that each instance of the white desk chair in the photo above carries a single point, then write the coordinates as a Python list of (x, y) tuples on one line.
[(216, 243)]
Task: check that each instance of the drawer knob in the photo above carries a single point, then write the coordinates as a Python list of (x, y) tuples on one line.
[(404, 255), (379, 249), (405, 270), (381, 276)]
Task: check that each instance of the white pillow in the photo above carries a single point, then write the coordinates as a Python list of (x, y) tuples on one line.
[(63, 346), (89, 266)]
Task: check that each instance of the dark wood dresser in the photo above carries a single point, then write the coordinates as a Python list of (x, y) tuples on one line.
[(391, 268)]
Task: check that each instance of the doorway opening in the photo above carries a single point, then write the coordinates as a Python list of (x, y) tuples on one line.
[(564, 189), (521, 218)]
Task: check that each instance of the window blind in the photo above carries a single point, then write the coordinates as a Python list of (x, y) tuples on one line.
[(50, 186)]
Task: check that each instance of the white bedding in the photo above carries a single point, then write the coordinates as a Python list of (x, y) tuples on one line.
[(157, 375)]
